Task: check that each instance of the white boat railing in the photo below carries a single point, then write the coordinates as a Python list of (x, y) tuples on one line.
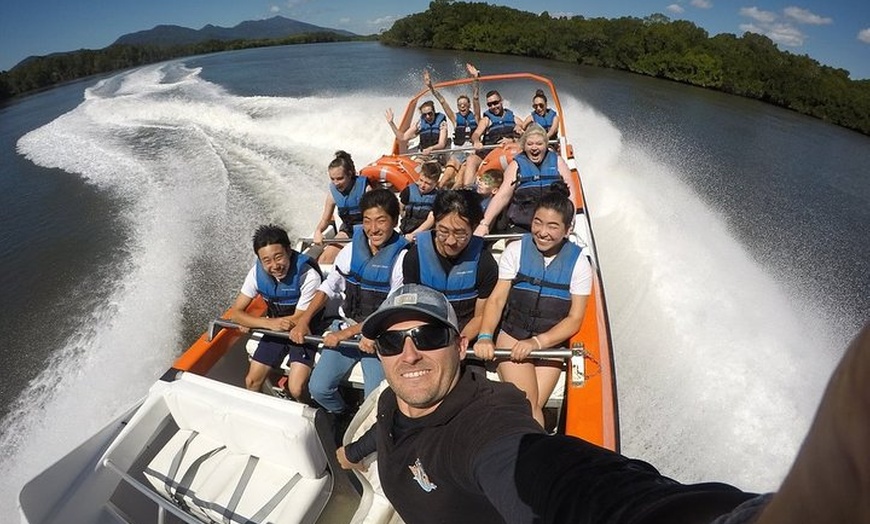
[(163, 504)]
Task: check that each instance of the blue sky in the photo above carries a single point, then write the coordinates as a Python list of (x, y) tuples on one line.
[(834, 32)]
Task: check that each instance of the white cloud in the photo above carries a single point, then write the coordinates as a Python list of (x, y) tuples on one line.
[(786, 34), (382, 21), (344, 20), (764, 17), (781, 29), (702, 4), (675, 8), (382, 24), (864, 35), (274, 9), (563, 14), (805, 16)]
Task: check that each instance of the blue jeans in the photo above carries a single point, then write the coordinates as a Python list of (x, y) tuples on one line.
[(333, 365)]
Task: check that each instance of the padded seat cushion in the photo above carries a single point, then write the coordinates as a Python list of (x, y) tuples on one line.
[(215, 484)]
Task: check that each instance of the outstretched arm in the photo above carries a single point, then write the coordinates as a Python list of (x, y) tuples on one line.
[(830, 478), (325, 218), (427, 80), (554, 129), (499, 201), (475, 90), (565, 173)]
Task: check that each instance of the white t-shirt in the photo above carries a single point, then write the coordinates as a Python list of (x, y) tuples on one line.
[(333, 286), (581, 277), (310, 280)]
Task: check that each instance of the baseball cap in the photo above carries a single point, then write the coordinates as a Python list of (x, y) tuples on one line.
[(410, 302)]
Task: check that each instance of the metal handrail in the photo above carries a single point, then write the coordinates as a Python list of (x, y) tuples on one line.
[(220, 323), (163, 504)]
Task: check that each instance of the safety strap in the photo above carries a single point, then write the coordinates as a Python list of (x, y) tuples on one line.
[(189, 475), (169, 481), (233, 503), (275, 500)]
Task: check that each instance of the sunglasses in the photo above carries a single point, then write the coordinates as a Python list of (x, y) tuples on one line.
[(536, 106), (426, 338), (427, 114), (492, 104)]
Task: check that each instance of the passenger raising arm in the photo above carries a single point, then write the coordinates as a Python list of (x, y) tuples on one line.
[(464, 122), (431, 128)]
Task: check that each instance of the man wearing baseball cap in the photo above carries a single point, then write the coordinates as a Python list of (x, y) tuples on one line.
[(455, 447), (440, 428)]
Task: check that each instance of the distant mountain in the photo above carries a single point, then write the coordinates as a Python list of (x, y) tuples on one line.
[(275, 27)]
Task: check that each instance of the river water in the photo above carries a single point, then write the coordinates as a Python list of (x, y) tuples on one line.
[(734, 238)]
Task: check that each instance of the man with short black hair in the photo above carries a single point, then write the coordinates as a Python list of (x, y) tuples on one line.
[(287, 280)]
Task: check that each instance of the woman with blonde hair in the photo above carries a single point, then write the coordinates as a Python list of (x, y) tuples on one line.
[(526, 179)]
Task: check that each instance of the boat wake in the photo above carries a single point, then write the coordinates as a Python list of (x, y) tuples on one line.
[(716, 374), (713, 375)]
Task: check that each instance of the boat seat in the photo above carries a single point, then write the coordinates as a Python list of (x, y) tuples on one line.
[(374, 508), (237, 456)]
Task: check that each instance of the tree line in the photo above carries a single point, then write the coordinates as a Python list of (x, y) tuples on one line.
[(46, 71), (749, 66)]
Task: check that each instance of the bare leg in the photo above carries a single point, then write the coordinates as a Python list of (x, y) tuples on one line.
[(460, 177), (830, 478), (257, 373), (547, 374), (330, 251), (471, 165), (522, 375), (297, 381), (447, 179)]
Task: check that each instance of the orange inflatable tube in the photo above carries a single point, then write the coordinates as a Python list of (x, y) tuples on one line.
[(498, 158), (398, 171)]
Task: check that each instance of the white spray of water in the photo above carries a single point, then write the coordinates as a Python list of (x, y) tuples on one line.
[(715, 373), (197, 168), (711, 377)]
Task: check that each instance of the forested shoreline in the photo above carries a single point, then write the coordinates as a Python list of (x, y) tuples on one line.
[(750, 65), (46, 71)]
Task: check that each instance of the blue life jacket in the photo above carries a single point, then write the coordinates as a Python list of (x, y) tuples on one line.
[(465, 126), (348, 204), (531, 183), (499, 127), (417, 209), (459, 285), (367, 283), (545, 120), (540, 296), (429, 133), (281, 296)]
